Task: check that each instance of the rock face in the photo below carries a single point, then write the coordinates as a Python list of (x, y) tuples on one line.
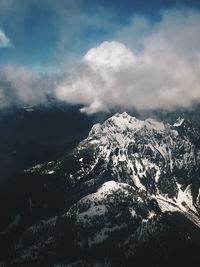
[(131, 188)]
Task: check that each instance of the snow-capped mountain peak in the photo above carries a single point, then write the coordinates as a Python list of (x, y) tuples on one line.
[(124, 121), (121, 128)]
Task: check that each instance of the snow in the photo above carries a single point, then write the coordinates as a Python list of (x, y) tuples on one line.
[(166, 205), (36, 167), (29, 108), (50, 172), (124, 121), (149, 165), (154, 125), (104, 234), (121, 128), (110, 186), (132, 212), (170, 206), (157, 174), (94, 141), (183, 204), (115, 160), (151, 214), (184, 196), (91, 212), (105, 190), (93, 166), (137, 182), (162, 151), (170, 160), (198, 197), (135, 177), (178, 122), (95, 128)]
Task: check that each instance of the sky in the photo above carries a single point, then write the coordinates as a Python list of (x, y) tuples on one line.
[(100, 54)]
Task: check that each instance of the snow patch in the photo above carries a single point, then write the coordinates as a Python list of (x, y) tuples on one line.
[(178, 122)]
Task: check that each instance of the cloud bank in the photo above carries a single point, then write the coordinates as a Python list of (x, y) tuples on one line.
[(146, 65), (4, 40), (159, 68), (19, 85)]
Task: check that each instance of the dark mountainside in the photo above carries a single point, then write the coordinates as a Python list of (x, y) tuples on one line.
[(127, 195)]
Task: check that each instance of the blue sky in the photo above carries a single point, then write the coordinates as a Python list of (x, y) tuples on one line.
[(45, 33)]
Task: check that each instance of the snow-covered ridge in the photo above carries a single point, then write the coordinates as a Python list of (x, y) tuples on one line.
[(124, 121), (121, 127)]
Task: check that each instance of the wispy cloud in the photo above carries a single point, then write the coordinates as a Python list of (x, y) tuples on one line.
[(4, 40)]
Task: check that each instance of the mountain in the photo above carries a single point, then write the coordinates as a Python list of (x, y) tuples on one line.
[(127, 194)]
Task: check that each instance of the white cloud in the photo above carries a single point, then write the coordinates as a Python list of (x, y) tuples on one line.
[(161, 69), (21, 85), (113, 55), (4, 40), (148, 66)]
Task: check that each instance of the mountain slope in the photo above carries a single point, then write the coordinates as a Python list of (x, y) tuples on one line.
[(131, 185), (152, 157)]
